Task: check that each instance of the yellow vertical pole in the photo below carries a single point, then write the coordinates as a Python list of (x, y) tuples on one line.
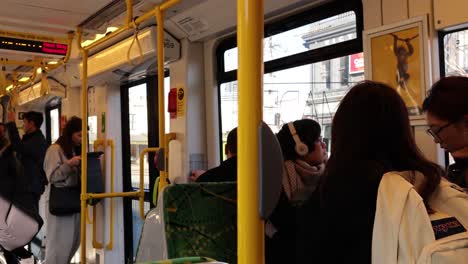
[(111, 233), (250, 75), (162, 129), (84, 148)]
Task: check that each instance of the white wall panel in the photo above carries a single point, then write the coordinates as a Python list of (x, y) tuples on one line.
[(372, 10), (449, 13), (394, 11)]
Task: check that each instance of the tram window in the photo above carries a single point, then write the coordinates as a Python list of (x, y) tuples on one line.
[(138, 123), (456, 53), (92, 131), (311, 59), (301, 39), (54, 124), (454, 60), (308, 91)]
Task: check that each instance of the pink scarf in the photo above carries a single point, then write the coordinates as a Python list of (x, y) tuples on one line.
[(300, 180)]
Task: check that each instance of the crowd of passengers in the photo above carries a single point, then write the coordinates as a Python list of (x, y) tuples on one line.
[(327, 209), (328, 206)]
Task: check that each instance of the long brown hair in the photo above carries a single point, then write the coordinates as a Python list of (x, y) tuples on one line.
[(371, 127), (65, 140)]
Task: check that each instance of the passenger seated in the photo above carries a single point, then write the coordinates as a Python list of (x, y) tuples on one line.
[(371, 135), (227, 171), (290, 228), (446, 108)]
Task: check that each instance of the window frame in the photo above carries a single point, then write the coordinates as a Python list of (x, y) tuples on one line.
[(49, 108), (153, 128), (441, 35), (281, 25)]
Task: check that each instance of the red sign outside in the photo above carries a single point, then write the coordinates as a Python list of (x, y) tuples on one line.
[(356, 63)]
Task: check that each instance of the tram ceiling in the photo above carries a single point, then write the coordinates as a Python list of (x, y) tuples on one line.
[(47, 16)]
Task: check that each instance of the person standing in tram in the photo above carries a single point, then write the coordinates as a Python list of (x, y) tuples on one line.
[(62, 167), (371, 135), (290, 228), (446, 110), (30, 149)]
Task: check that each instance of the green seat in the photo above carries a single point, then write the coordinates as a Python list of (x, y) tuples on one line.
[(195, 220), (189, 260)]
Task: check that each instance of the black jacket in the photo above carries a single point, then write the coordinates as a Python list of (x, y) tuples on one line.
[(227, 171), (8, 173), (31, 150), (458, 172), (296, 240)]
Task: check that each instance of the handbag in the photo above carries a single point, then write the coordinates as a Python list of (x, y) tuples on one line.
[(64, 200)]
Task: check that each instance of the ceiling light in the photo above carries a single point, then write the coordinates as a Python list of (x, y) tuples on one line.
[(24, 79)]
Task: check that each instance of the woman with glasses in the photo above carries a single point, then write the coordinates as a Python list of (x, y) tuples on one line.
[(291, 227), (446, 110), (371, 135)]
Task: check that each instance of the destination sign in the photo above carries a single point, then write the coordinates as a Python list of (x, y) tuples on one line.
[(33, 46)]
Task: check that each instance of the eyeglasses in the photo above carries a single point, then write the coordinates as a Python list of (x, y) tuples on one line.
[(435, 133)]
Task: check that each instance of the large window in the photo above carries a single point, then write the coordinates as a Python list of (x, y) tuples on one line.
[(311, 61), (455, 53), (454, 59)]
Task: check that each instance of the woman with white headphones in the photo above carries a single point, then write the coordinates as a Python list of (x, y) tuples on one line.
[(290, 227)]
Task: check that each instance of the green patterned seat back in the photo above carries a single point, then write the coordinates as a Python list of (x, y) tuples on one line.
[(201, 220), (189, 260)]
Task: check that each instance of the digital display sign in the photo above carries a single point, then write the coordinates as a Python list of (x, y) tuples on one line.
[(43, 47)]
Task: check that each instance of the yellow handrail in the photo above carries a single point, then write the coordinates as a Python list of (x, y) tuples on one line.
[(84, 145), (96, 244), (158, 11), (161, 125), (142, 190), (110, 245), (250, 72)]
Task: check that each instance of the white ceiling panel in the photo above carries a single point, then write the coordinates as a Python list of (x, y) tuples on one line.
[(45, 15)]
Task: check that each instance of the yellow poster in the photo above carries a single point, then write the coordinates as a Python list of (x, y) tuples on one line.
[(396, 60), (180, 102)]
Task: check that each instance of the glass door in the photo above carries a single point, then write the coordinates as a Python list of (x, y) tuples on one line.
[(139, 131)]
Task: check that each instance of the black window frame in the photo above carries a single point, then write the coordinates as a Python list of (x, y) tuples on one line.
[(48, 109), (302, 18), (441, 35)]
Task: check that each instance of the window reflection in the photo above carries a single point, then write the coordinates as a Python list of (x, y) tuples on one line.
[(310, 91)]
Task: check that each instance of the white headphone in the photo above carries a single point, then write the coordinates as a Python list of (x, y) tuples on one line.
[(301, 148)]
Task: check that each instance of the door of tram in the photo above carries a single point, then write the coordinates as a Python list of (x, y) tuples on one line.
[(139, 131)]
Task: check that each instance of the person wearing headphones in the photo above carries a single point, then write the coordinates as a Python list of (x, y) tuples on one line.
[(289, 229)]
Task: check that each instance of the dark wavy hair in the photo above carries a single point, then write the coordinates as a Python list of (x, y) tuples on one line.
[(65, 140), (371, 133), (308, 131)]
